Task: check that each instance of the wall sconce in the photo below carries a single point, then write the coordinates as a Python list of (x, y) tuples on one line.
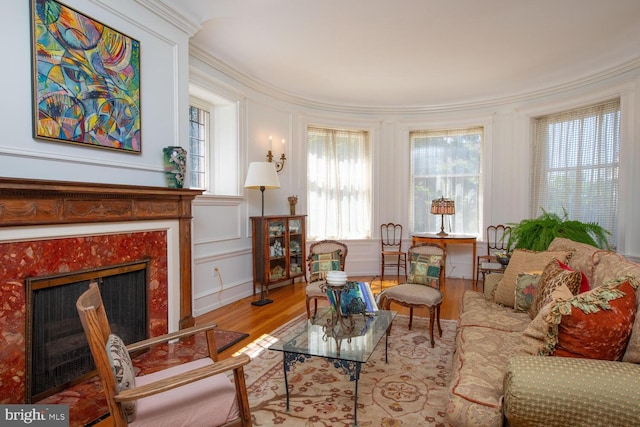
[(280, 164), (442, 207)]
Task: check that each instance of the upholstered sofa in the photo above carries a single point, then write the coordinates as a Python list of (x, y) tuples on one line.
[(507, 368)]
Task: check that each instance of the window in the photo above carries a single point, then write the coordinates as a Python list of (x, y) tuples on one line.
[(576, 164), (198, 143), (213, 143), (338, 184), (445, 163)]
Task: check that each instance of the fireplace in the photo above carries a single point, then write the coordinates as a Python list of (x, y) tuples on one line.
[(57, 353), (48, 228)]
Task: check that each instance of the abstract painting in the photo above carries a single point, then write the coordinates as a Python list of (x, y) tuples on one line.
[(86, 80)]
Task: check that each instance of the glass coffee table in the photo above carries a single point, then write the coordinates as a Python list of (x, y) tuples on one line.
[(347, 343)]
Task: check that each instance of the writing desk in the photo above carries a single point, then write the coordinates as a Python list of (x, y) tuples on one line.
[(449, 239)]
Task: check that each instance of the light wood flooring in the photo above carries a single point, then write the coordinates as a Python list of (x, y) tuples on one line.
[(289, 302)]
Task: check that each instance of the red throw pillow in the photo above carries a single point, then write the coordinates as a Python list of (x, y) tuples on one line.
[(596, 324), (584, 283)]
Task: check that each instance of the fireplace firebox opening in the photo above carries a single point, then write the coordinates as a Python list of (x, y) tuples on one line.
[(57, 353)]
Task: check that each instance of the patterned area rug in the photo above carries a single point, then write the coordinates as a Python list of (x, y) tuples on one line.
[(409, 390)]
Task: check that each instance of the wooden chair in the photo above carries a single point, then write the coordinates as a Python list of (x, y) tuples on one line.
[(497, 238), (323, 247), (391, 249), (422, 289), (193, 393)]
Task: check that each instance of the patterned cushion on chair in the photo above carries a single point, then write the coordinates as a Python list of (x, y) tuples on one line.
[(409, 293), (321, 263), (313, 289), (122, 371), (424, 269)]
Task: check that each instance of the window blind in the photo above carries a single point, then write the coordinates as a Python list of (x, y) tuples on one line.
[(576, 165)]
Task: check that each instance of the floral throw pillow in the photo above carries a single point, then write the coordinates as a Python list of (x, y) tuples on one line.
[(424, 269), (525, 292), (122, 371), (321, 263)]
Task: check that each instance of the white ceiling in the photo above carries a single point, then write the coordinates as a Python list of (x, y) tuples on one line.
[(403, 53)]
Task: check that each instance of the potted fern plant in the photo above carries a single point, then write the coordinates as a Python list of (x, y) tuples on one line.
[(536, 234)]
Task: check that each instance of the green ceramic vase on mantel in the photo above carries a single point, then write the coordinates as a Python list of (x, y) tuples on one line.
[(175, 165)]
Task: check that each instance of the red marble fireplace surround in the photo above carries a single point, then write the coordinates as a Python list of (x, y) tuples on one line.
[(124, 218)]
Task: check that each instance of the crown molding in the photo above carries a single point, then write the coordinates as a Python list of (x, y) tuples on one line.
[(491, 103), (171, 15)]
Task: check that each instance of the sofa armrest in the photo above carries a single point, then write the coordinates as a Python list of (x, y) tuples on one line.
[(563, 391), (490, 282)]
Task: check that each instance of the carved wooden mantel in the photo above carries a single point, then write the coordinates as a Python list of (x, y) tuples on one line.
[(25, 202)]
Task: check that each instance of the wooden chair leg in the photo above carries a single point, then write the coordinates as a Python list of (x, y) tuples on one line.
[(438, 319), (431, 322), (315, 307), (404, 258), (382, 269), (242, 396), (410, 317), (308, 311)]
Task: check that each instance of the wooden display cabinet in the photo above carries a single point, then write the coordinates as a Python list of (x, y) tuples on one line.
[(279, 249)]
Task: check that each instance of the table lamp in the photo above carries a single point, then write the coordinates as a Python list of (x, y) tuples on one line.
[(442, 207)]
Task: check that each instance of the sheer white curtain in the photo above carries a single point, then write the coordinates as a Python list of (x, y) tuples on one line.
[(445, 163), (576, 165), (338, 184)]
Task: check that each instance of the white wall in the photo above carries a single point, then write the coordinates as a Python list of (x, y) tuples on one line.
[(164, 102), (506, 164), (221, 226)]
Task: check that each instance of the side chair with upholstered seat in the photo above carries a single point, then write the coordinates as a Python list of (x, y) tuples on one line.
[(324, 255), (422, 288), (195, 393)]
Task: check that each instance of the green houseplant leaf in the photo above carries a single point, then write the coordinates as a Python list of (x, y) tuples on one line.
[(536, 234)]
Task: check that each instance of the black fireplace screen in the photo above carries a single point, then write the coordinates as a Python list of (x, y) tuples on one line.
[(57, 353)]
